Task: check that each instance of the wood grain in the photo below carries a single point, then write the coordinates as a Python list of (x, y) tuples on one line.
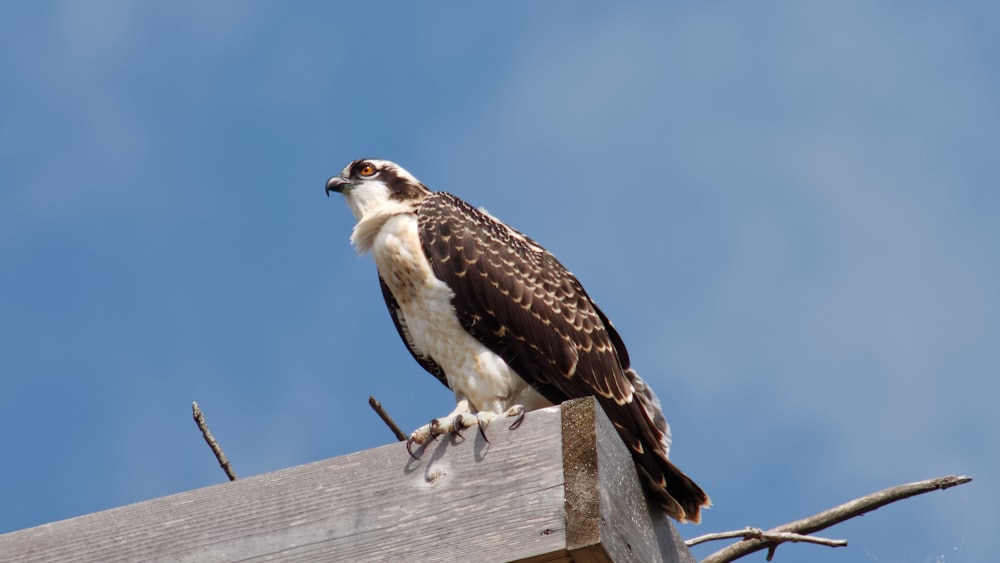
[(463, 500)]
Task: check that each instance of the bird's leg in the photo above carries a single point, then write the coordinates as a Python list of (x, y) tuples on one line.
[(460, 419)]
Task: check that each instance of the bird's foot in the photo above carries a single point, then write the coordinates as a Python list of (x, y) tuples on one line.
[(456, 422)]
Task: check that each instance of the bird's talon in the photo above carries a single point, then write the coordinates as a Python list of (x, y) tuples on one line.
[(409, 447), (482, 431), (517, 422)]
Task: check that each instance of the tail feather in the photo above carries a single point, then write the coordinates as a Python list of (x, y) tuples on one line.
[(676, 493), (644, 429), (646, 433)]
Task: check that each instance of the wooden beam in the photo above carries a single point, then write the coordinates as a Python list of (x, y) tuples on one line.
[(561, 487), (607, 517)]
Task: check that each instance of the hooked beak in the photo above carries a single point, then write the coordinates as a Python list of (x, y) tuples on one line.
[(336, 184)]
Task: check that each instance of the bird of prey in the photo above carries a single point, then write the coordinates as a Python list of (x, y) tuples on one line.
[(497, 319)]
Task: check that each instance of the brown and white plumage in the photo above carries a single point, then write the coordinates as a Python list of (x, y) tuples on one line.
[(500, 321)]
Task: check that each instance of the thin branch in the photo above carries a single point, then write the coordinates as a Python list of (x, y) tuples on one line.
[(199, 419), (835, 515), (792, 537), (757, 533), (746, 533), (772, 539), (377, 407)]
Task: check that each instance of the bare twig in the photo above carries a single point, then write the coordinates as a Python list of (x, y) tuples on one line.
[(772, 539), (828, 518), (757, 533), (377, 407), (199, 419)]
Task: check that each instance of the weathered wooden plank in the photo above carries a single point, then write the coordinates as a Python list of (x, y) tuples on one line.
[(607, 516), (463, 500)]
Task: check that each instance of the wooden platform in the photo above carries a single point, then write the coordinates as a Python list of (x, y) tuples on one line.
[(561, 487)]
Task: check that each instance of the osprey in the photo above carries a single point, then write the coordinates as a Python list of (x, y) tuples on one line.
[(496, 318)]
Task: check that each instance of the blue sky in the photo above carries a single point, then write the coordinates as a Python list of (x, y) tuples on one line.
[(790, 210)]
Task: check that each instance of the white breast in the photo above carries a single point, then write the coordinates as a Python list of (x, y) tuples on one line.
[(472, 370)]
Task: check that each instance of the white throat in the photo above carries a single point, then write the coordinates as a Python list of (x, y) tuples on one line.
[(363, 197), (370, 203)]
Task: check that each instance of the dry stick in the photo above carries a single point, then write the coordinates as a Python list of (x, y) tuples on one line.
[(377, 407), (828, 518), (199, 419), (758, 534)]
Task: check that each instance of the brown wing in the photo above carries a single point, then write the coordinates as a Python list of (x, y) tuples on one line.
[(520, 302)]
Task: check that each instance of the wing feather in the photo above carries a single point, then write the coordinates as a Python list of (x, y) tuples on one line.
[(520, 302)]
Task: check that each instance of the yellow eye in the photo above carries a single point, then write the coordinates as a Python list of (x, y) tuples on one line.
[(367, 170)]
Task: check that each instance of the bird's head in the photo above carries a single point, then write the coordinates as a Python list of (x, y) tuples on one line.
[(369, 185)]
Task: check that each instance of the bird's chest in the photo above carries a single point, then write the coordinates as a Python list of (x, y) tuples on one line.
[(472, 370), (424, 300), (402, 264)]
